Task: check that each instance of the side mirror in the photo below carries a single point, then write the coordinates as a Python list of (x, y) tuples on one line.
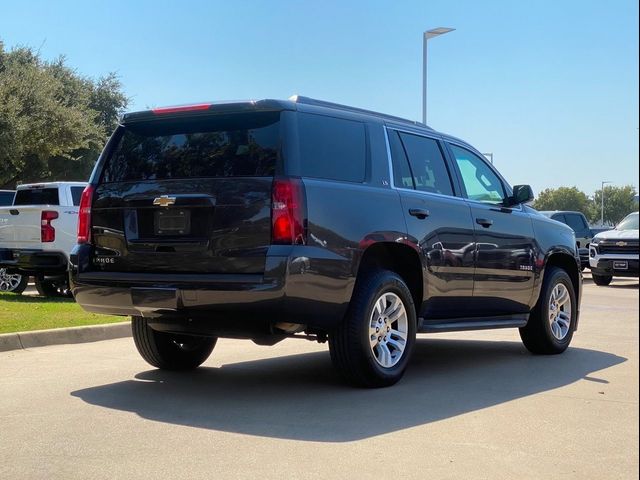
[(521, 194)]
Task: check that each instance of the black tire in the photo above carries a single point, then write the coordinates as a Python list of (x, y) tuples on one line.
[(602, 280), (52, 287), (349, 344), (13, 283), (170, 351), (537, 335)]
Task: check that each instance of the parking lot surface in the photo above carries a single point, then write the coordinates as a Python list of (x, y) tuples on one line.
[(472, 405)]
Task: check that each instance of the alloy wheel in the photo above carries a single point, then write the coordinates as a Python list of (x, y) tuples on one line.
[(560, 311), (8, 282), (388, 329)]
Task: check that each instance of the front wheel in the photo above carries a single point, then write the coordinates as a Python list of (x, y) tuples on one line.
[(373, 344), (170, 351), (12, 283), (602, 280), (552, 322)]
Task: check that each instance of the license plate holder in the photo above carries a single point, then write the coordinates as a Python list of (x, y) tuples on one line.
[(174, 221), (620, 265)]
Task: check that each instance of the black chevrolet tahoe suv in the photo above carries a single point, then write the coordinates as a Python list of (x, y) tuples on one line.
[(270, 219)]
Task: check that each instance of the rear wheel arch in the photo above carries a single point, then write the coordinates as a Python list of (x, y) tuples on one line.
[(398, 258), (368, 358)]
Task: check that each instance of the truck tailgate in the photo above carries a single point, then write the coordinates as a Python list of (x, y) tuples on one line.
[(20, 226)]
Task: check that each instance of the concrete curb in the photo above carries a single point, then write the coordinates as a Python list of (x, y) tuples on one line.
[(59, 336)]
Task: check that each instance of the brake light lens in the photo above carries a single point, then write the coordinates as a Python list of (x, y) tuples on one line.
[(181, 108), (47, 232), (84, 215), (288, 212)]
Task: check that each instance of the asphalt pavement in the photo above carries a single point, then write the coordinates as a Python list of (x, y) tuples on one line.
[(472, 405)]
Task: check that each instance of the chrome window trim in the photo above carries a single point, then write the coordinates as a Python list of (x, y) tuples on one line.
[(517, 208), (390, 163)]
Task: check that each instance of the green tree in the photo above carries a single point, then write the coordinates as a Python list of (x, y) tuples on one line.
[(53, 121), (563, 198), (618, 203)]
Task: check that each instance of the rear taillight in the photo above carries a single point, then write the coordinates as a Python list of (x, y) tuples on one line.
[(47, 232), (84, 215), (288, 212)]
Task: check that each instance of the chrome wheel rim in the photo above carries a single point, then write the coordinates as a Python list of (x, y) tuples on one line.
[(560, 311), (388, 330), (8, 283)]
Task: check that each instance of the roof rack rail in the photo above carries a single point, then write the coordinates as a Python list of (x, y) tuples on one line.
[(322, 103)]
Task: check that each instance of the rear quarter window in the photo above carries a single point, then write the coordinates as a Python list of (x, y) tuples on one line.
[(331, 148), (37, 196)]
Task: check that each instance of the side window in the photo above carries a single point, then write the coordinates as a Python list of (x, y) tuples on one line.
[(559, 217), (576, 222), (402, 177), (428, 166), (480, 182), (76, 194), (331, 148)]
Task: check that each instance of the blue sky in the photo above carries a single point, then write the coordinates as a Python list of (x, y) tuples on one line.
[(549, 87)]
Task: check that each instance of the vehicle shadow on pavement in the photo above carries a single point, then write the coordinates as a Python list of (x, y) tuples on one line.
[(300, 397), (628, 286), (618, 282)]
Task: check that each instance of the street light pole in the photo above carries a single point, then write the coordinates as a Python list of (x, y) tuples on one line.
[(424, 78), (602, 202), (434, 32)]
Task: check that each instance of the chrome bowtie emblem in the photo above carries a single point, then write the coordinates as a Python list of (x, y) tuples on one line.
[(621, 244), (164, 201)]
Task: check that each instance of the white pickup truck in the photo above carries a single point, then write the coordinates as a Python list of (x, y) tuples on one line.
[(37, 234)]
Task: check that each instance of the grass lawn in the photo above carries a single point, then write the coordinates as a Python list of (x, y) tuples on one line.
[(19, 313)]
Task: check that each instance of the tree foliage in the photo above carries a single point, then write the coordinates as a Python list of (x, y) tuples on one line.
[(618, 203), (563, 198), (53, 121)]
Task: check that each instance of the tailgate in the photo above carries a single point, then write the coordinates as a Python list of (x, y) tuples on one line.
[(20, 226), (188, 196)]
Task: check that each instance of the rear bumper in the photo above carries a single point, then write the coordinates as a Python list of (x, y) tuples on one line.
[(302, 285), (33, 262)]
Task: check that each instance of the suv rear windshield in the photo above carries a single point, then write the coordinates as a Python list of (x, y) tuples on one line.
[(240, 145), (37, 196)]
